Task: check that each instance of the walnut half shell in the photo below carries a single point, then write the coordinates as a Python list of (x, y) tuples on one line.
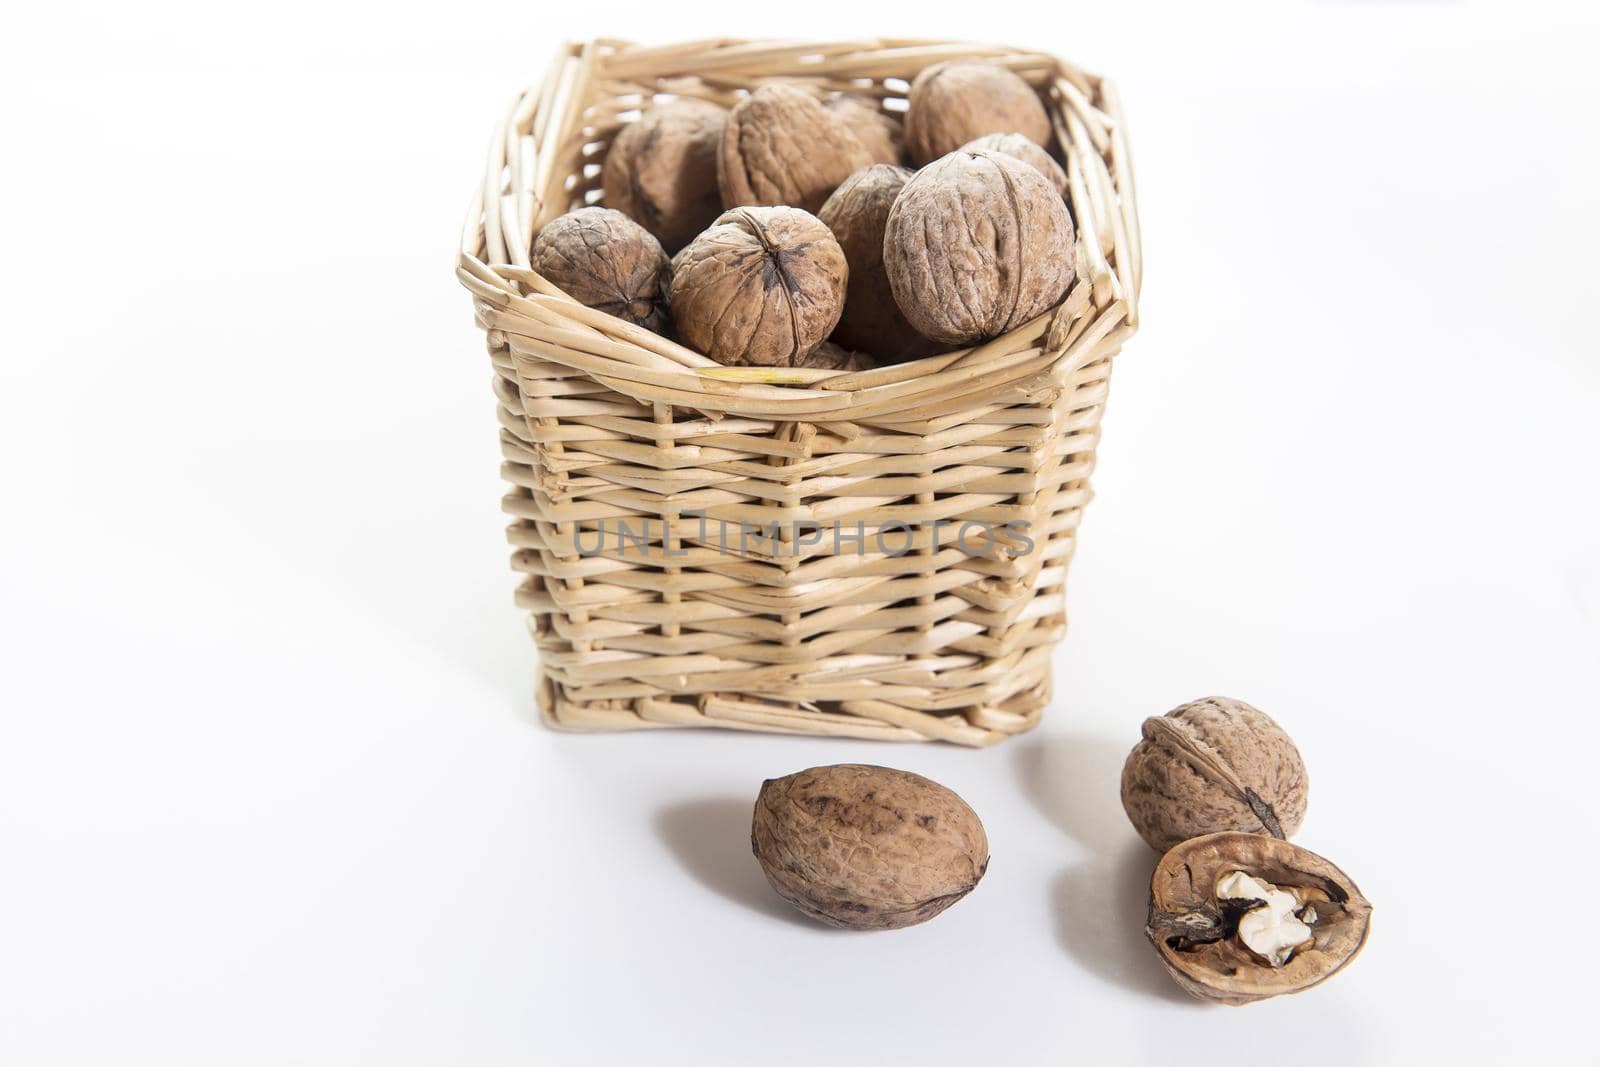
[(1200, 919)]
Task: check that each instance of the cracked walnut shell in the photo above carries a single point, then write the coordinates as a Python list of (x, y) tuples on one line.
[(661, 171), (605, 260), (867, 848), (1220, 906), (952, 103), (763, 286), (1211, 765), (977, 243), (781, 146)]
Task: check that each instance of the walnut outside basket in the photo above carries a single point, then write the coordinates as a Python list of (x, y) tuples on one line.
[(680, 622)]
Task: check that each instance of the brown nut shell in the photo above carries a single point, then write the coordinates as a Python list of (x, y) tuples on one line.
[(1197, 934), (857, 213), (764, 286), (661, 171), (781, 146), (1211, 765), (977, 243), (829, 356), (1020, 148), (605, 260), (952, 103), (879, 131), (867, 848)]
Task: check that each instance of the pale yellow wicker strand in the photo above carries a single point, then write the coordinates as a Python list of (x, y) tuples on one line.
[(605, 423)]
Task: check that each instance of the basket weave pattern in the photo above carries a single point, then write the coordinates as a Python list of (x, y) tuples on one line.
[(645, 477)]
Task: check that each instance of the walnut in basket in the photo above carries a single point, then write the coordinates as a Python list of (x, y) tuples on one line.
[(977, 244), (829, 356), (951, 103), (879, 131), (661, 171), (857, 213), (764, 287), (605, 260), (781, 146), (1019, 147)]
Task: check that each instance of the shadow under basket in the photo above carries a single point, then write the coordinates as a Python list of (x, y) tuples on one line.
[(877, 554)]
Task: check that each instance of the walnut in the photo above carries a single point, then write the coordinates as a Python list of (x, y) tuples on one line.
[(605, 260), (763, 286), (783, 147), (951, 103), (867, 847), (661, 171), (857, 213), (977, 243), (1238, 917), (829, 356), (878, 131), (1211, 765), (1019, 147)]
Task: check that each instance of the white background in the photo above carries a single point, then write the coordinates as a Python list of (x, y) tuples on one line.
[(271, 787)]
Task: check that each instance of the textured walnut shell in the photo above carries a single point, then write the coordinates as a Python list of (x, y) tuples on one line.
[(1020, 148), (661, 171), (977, 243), (1196, 933), (763, 286), (829, 356), (1214, 764), (952, 103), (879, 131), (867, 847), (605, 260), (857, 213), (781, 146)]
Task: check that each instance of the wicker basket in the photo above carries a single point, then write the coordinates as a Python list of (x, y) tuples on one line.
[(639, 468)]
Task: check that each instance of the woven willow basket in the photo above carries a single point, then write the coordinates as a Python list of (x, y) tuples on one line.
[(689, 619)]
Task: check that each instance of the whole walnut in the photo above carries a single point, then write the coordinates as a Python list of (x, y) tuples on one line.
[(781, 146), (661, 171), (605, 260), (951, 103), (1238, 918), (1019, 147), (1212, 765), (878, 131), (763, 286), (977, 243), (857, 213), (867, 848)]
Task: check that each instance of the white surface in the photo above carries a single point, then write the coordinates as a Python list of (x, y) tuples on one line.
[(270, 789)]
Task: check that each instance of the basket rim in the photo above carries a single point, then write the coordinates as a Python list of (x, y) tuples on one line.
[(537, 321)]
